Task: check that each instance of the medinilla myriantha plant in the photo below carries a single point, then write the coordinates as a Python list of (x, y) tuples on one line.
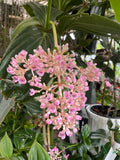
[(64, 95), (40, 68)]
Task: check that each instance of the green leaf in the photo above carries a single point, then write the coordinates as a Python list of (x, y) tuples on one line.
[(33, 106), (82, 150), (100, 133), (87, 143), (32, 21), (110, 124), (94, 24), (85, 131), (38, 152), (40, 11), (17, 142), (17, 158), (116, 7), (6, 147), (5, 106)]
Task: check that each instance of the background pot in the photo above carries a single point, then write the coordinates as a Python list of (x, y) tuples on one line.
[(96, 122)]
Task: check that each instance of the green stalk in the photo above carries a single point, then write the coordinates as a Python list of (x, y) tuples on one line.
[(48, 14), (59, 4), (54, 33)]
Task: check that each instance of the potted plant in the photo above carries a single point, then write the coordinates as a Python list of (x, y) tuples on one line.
[(99, 114)]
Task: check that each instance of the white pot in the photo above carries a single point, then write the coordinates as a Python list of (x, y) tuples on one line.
[(99, 122)]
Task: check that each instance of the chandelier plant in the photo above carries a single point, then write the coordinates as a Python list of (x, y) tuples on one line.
[(62, 98)]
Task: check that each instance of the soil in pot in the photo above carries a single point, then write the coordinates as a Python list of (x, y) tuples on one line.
[(106, 111)]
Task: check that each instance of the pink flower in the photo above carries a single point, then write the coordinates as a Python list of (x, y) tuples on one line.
[(66, 94), (66, 156), (14, 62), (23, 53), (71, 86), (32, 92), (15, 78), (72, 110), (69, 117), (57, 102), (78, 117), (59, 120), (69, 133), (55, 149), (22, 80), (49, 121), (52, 108), (10, 70), (43, 105), (61, 135), (75, 130), (108, 84), (50, 70), (49, 96)]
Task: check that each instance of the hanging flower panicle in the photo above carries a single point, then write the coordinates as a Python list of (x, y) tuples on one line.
[(62, 99)]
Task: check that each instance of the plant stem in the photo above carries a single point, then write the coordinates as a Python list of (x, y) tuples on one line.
[(54, 33), (73, 145), (44, 130), (59, 4), (48, 14), (48, 130), (103, 98), (114, 91)]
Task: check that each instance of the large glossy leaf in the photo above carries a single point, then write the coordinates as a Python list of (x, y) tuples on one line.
[(94, 24), (37, 152), (6, 148), (116, 7)]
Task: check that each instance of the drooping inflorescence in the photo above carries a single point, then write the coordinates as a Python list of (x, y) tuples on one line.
[(64, 97)]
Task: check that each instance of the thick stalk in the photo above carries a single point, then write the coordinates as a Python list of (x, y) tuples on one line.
[(48, 14), (54, 33), (44, 130), (59, 4), (48, 131)]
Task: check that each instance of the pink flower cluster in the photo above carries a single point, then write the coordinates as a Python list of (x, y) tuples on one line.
[(64, 95), (55, 154)]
